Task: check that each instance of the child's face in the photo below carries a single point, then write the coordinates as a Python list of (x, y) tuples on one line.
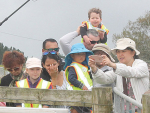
[(78, 57), (95, 19), (34, 73)]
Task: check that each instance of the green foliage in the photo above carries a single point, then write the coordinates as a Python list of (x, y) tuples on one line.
[(139, 31), (5, 48)]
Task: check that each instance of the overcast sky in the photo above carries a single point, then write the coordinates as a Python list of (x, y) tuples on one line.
[(42, 19)]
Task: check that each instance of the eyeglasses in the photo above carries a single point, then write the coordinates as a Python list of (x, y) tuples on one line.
[(51, 52), (53, 49), (15, 69), (94, 42)]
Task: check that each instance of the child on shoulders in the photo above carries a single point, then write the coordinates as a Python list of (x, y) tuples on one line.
[(95, 22)]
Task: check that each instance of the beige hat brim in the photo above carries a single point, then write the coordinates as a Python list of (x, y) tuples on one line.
[(32, 66), (123, 48), (104, 52)]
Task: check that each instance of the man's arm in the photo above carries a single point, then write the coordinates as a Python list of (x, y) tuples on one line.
[(66, 40)]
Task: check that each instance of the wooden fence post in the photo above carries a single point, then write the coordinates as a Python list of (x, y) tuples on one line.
[(146, 102), (102, 100)]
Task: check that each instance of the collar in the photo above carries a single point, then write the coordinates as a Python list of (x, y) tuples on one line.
[(28, 78)]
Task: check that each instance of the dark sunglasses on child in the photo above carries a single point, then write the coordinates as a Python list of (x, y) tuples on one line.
[(93, 42), (15, 69), (51, 52), (53, 49)]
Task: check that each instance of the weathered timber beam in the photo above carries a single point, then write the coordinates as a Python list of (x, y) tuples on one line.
[(32, 110), (46, 96), (102, 100), (146, 102)]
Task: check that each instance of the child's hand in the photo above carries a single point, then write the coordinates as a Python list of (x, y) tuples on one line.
[(86, 39), (85, 88), (101, 35)]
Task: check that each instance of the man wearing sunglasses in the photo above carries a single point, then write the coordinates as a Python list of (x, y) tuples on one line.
[(67, 39), (49, 45)]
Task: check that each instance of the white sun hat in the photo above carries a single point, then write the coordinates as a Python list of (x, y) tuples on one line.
[(33, 62), (123, 43)]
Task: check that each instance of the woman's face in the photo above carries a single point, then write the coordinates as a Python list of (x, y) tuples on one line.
[(49, 63), (125, 56), (16, 69)]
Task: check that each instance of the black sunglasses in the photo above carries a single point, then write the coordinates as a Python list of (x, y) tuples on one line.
[(93, 42), (15, 69), (53, 49)]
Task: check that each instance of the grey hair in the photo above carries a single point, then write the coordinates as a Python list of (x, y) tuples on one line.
[(92, 32)]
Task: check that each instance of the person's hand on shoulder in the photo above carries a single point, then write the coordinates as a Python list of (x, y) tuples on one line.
[(101, 35), (78, 29), (86, 39)]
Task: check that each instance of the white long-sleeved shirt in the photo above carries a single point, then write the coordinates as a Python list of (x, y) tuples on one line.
[(138, 74), (66, 40)]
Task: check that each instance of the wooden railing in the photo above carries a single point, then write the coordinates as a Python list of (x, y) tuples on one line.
[(146, 102), (100, 99)]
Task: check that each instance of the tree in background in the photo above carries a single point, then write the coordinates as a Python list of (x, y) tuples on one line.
[(139, 31), (5, 48)]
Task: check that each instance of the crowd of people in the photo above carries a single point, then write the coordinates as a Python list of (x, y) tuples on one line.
[(87, 64)]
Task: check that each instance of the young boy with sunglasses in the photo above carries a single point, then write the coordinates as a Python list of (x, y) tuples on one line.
[(95, 22), (33, 68)]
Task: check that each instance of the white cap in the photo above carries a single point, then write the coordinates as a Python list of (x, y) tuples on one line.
[(33, 62), (123, 43)]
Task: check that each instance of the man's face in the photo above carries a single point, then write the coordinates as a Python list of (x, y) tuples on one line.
[(93, 38), (50, 45)]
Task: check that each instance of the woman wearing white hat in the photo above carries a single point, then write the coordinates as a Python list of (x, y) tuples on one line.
[(131, 73)]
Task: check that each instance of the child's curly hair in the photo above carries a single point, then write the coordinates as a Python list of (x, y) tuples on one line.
[(95, 10), (11, 58)]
